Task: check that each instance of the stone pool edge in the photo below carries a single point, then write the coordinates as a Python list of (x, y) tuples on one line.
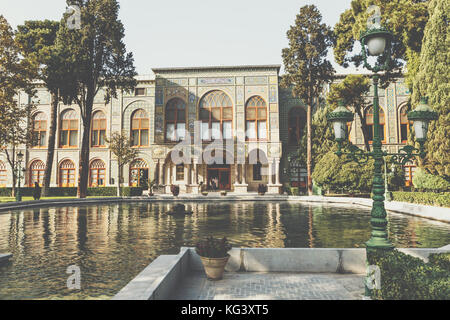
[(163, 275), (429, 212)]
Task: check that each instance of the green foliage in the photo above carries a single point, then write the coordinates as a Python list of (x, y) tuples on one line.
[(433, 80), (213, 248), (404, 277), (353, 90), (441, 260), (426, 198), (405, 18), (424, 181), (335, 173), (16, 73), (95, 62), (396, 179)]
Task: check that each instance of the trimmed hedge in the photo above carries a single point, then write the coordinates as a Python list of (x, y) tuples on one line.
[(72, 192), (428, 198), (404, 277)]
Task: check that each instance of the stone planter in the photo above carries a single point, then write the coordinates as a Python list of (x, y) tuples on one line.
[(214, 267), (261, 193), (223, 193), (204, 193)]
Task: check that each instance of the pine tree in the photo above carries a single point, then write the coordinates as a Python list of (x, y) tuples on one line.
[(306, 66), (37, 40), (433, 80), (95, 58)]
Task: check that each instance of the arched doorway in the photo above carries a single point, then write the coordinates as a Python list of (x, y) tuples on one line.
[(139, 173), (218, 172)]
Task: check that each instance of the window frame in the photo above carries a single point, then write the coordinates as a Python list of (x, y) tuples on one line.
[(97, 170), (64, 174), (256, 119), (140, 130), (99, 131), (208, 97), (175, 120), (40, 173), (40, 131), (69, 130)]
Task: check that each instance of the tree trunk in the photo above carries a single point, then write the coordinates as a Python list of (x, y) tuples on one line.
[(83, 176), (51, 144), (119, 169), (364, 128), (309, 148)]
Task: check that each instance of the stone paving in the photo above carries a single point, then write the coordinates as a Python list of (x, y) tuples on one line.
[(272, 286)]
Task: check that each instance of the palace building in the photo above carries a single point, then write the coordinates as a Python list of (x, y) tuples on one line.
[(182, 113)]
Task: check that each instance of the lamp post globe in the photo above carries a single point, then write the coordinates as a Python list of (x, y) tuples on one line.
[(339, 118), (421, 117)]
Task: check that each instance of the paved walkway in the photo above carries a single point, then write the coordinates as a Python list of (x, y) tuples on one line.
[(271, 286)]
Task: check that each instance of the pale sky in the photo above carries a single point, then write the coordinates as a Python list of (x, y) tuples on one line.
[(180, 33)]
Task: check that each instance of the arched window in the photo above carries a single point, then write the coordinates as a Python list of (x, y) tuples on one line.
[(67, 174), (140, 127), (97, 174), (37, 170), (69, 129), (216, 114), (98, 131), (296, 122), (138, 173), (404, 124), (370, 124), (175, 120), (256, 119), (2, 174), (39, 130)]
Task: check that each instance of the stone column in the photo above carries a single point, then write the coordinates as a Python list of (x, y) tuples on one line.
[(277, 171), (161, 173), (270, 173)]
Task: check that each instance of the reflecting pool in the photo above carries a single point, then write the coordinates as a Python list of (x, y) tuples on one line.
[(112, 243)]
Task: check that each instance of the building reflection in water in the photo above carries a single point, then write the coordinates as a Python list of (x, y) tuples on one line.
[(113, 243)]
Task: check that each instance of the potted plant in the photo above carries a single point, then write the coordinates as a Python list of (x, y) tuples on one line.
[(223, 193), (214, 255), (262, 189), (175, 190)]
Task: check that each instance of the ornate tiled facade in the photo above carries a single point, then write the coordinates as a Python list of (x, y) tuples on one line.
[(259, 137)]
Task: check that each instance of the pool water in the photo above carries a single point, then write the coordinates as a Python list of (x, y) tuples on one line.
[(112, 243)]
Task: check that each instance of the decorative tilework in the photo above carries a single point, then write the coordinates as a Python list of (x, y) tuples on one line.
[(273, 80), (239, 80), (159, 97), (273, 94), (252, 90), (175, 92), (240, 95), (160, 82), (255, 80), (191, 97), (273, 107), (402, 89), (211, 81), (390, 99), (192, 81), (159, 123), (177, 82)]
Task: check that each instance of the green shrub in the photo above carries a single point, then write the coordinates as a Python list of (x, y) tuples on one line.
[(337, 174), (424, 181), (72, 192), (404, 277), (5, 192), (441, 260), (426, 198)]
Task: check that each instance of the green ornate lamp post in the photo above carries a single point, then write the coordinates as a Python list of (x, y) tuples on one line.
[(19, 175), (377, 42)]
